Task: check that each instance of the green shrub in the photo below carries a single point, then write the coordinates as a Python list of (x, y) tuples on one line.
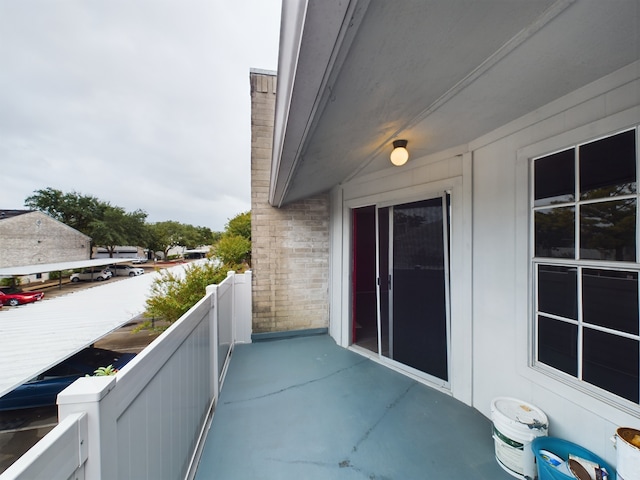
[(56, 275), (11, 282), (173, 295), (233, 249)]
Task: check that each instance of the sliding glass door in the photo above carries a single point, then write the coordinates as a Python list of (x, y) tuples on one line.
[(412, 278)]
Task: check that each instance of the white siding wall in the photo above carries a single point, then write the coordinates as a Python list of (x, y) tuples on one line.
[(502, 289), (490, 321)]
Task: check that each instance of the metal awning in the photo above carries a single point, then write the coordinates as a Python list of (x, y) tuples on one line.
[(37, 336), (58, 267)]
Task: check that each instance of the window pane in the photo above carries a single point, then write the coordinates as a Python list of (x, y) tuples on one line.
[(611, 362), (554, 232), (608, 230), (557, 291), (610, 299), (608, 166), (558, 344), (554, 178)]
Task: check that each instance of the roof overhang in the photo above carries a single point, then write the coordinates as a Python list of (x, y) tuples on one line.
[(37, 336), (355, 75), (58, 267)]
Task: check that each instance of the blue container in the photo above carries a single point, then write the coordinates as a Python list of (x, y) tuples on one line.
[(562, 448)]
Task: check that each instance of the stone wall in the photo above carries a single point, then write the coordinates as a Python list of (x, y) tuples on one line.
[(290, 245)]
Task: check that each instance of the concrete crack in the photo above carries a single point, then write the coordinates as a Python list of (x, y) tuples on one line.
[(384, 414), (298, 385)]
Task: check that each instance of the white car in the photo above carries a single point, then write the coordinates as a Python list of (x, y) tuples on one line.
[(91, 274), (125, 270)]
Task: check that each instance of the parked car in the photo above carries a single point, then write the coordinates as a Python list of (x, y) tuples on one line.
[(139, 260), (42, 390), (91, 274), (125, 270), (14, 296)]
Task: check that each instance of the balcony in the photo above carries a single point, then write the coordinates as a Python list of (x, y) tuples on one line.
[(291, 408), (306, 408)]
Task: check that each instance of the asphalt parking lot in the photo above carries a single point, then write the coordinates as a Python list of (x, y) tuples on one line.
[(21, 429)]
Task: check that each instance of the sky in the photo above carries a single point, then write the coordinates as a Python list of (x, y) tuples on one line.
[(144, 104)]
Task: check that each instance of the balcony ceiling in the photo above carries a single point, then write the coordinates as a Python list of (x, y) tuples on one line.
[(355, 75)]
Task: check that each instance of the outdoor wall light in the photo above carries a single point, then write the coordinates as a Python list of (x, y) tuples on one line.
[(400, 154)]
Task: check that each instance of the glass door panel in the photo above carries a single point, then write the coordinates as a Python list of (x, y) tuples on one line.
[(419, 278), (364, 326), (400, 283), (384, 283)]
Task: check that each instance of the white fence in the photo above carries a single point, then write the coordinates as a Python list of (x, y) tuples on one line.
[(147, 421)]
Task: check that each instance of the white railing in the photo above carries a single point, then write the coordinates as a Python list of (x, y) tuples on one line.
[(147, 422)]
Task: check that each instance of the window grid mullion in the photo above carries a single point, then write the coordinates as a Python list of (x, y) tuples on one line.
[(637, 195), (580, 321), (576, 225)]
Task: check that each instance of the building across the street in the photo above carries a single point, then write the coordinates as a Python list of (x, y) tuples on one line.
[(31, 237)]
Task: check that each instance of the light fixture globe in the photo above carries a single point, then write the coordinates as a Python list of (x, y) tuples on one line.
[(400, 154)]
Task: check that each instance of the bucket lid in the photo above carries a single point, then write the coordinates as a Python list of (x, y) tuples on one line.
[(629, 435), (517, 412)]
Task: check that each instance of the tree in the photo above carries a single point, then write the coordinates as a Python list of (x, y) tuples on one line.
[(234, 246), (233, 250), (193, 237), (173, 295), (240, 225), (117, 227), (165, 235), (73, 209), (107, 225)]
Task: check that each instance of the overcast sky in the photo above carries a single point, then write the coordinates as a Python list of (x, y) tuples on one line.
[(141, 103)]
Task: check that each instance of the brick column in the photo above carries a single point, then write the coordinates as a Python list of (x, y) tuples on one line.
[(290, 245)]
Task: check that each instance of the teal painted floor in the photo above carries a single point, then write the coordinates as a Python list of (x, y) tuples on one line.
[(305, 409)]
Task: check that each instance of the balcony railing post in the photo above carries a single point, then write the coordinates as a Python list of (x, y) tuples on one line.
[(233, 278), (243, 309), (91, 395), (214, 388)]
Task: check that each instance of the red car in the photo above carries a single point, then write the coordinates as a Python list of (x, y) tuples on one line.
[(13, 297)]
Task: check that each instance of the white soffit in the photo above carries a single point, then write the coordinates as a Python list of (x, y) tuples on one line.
[(37, 336)]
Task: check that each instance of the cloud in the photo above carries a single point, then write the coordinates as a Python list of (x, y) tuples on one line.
[(142, 104)]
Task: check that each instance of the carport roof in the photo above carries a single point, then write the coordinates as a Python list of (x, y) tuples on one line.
[(36, 336), (58, 267)]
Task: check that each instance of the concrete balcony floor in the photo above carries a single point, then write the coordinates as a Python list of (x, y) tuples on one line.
[(304, 408)]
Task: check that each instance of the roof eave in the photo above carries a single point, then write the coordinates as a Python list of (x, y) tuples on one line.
[(314, 40)]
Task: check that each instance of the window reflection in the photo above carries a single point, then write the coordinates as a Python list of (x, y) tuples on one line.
[(554, 179), (611, 362), (608, 166), (610, 299), (608, 230), (558, 291), (555, 232), (558, 344)]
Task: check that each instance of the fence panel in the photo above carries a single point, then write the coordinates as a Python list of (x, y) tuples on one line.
[(60, 455), (148, 420), (163, 398)]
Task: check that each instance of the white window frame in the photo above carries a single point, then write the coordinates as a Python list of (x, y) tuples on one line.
[(590, 396)]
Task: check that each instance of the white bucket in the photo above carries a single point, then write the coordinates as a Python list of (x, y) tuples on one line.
[(515, 425), (628, 453)]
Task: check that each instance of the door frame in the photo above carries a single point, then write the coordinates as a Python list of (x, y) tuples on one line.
[(460, 294)]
